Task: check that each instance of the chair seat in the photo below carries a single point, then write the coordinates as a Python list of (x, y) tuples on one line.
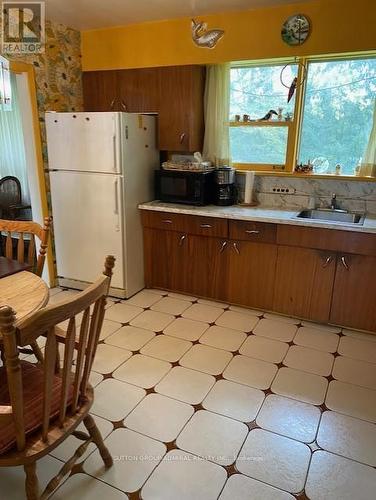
[(32, 380)]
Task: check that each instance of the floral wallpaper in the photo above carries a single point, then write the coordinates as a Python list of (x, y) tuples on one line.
[(57, 73)]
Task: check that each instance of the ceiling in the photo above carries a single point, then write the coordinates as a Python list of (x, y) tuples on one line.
[(91, 14)]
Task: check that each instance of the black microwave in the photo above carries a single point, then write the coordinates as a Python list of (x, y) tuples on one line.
[(191, 188)]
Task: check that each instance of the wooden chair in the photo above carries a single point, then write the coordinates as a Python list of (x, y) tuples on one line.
[(41, 405), (11, 205), (19, 244)]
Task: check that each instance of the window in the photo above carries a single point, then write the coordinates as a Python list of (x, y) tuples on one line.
[(331, 114)]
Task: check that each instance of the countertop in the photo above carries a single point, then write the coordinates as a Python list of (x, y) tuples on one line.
[(258, 214)]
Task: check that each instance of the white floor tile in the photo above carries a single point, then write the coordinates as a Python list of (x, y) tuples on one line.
[(187, 329), (201, 312), (206, 359), (239, 487), (166, 348), (184, 476), (358, 349), (246, 310), (234, 400), (170, 305), (355, 372), (157, 291), (223, 338), (159, 417), (182, 296), (277, 330), (108, 328), (68, 447), (262, 348), (322, 326), (142, 371), (143, 299), (213, 437), (348, 436), (12, 479), (189, 386), (95, 378), (332, 478), (290, 418), (61, 296), (122, 313), (130, 469), (250, 371), (109, 357), (113, 399), (54, 291), (152, 320), (352, 400), (360, 335), (237, 321), (130, 337), (86, 487), (309, 360), (299, 385), (212, 303), (281, 318), (315, 338), (276, 460)]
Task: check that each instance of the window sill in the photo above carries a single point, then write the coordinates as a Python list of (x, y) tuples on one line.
[(305, 176)]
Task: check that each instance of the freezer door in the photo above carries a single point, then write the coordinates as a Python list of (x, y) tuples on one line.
[(88, 142), (87, 224)]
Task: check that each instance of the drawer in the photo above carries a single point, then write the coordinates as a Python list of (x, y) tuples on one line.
[(163, 220), (207, 226), (253, 231), (327, 239), (191, 224)]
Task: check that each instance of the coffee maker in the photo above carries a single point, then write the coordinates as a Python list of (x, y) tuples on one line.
[(224, 186)]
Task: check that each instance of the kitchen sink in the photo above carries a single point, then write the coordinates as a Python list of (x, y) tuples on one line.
[(332, 216)]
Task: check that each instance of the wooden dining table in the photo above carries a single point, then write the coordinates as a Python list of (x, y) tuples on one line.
[(25, 292)]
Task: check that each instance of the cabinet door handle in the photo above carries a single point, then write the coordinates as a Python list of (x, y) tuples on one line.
[(166, 221), (223, 246), (182, 239), (328, 260), (205, 226), (112, 103), (123, 105), (344, 263), (250, 231), (182, 137), (235, 247)]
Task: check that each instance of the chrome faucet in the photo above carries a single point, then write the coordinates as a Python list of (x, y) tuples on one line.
[(333, 203)]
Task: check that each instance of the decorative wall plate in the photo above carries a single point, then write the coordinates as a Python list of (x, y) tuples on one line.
[(296, 30)]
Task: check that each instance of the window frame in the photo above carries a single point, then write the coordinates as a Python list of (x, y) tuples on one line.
[(295, 125)]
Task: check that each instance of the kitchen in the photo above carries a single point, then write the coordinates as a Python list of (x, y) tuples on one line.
[(237, 350)]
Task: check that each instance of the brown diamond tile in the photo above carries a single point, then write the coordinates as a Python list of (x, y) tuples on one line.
[(118, 425), (231, 469)]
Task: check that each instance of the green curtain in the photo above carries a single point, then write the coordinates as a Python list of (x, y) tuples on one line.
[(12, 145)]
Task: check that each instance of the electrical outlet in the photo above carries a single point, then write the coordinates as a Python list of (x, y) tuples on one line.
[(283, 190)]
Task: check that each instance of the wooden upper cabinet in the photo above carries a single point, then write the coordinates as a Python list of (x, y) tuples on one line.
[(100, 91), (354, 292), (304, 283), (138, 90), (176, 93), (181, 115)]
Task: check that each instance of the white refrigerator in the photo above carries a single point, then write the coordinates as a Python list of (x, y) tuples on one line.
[(101, 167)]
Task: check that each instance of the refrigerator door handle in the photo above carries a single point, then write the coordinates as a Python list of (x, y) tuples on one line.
[(116, 206), (115, 152)]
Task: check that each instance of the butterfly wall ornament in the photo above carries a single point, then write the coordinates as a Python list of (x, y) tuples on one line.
[(203, 37)]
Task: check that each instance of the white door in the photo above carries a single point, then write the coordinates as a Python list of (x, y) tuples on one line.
[(86, 142), (86, 209)]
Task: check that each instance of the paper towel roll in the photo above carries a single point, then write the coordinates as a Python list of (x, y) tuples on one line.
[(248, 188)]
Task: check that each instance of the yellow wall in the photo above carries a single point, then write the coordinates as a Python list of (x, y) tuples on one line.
[(337, 26)]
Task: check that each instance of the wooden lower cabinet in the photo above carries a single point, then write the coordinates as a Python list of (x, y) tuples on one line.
[(251, 274), (304, 283), (354, 298)]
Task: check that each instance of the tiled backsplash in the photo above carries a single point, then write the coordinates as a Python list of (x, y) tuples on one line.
[(351, 195)]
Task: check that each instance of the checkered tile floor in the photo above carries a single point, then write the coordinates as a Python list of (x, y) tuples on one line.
[(203, 400)]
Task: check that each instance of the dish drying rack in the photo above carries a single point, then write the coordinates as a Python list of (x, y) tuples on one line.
[(188, 166)]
